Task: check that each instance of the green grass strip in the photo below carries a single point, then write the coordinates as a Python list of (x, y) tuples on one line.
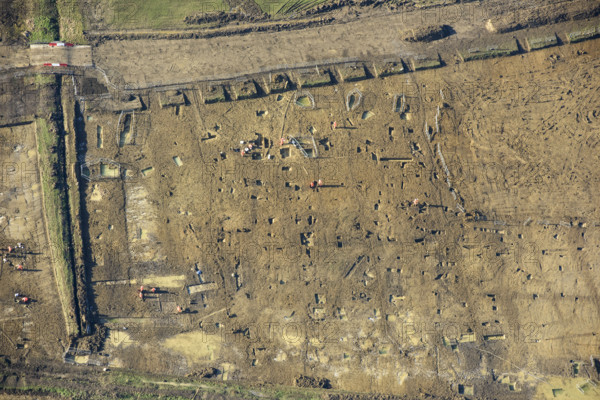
[(45, 22), (56, 209)]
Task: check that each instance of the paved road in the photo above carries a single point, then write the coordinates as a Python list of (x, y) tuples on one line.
[(80, 56), (39, 54)]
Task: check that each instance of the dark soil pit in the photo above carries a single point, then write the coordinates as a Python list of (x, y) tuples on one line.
[(353, 73), (280, 83), (311, 382), (426, 63), (505, 49), (245, 90), (91, 87), (589, 32), (542, 42), (390, 68), (428, 34), (171, 98), (312, 78), (214, 94)]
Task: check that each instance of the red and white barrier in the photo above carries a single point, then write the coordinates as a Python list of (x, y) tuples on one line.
[(55, 65), (60, 44)]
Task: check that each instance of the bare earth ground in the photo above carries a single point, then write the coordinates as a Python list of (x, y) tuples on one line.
[(486, 288), (26, 330), (349, 281), (149, 62)]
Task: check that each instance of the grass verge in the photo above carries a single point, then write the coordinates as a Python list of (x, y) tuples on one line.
[(70, 21), (126, 384), (44, 79), (45, 22), (57, 19), (283, 8), (56, 209), (155, 14), (68, 107), (51, 390)]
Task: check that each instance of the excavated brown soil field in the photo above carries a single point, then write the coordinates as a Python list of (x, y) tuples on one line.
[(451, 249), (410, 213), (35, 330)]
